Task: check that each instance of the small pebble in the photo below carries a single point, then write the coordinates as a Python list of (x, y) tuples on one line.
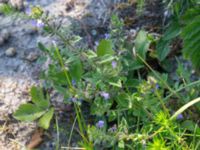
[(5, 34), (32, 57), (10, 52)]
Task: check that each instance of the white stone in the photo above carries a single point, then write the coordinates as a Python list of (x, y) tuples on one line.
[(10, 52)]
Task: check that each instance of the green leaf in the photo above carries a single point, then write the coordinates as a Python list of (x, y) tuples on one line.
[(189, 125), (142, 44), (121, 144), (172, 31), (117, 84), (76, 70), (163, 44), (45, 120), (106, 59), (135, 65), (42, 47), (105, 48), (190, 35), (162, 49), (100, 106), (123, 100), (38, 97), (7, 9), (28, 112)]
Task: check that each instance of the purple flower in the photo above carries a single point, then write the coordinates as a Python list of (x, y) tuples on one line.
[(157, 86), (73, 99), (96, 43), (114, 64), (105, 95), (107, 36), (73, 82), (28, 11), (54, 43), (40, 24), (33, 22), (37, 23), (113, 129), (100, 124), (180, 117)]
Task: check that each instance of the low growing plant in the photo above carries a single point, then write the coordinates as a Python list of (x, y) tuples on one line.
[(134, 105)]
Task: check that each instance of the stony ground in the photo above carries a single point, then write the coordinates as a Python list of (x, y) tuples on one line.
[(18, 60)]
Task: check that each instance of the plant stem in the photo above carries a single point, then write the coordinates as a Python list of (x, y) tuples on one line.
[(182, 88), (70, 136), (166, 85)]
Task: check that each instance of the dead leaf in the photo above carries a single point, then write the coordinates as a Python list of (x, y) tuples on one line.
[(36, 139)]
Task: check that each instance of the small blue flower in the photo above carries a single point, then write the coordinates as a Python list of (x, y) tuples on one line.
[(37, 23), (33, 22), (180, 117), (105, 95), (100, 124), (73, 82), (73, 99), (157, 86), (54, 43), (114, 64), (28, 11), (40, 24), (113, 129), (96, 43), (107, 36), (152, 90)]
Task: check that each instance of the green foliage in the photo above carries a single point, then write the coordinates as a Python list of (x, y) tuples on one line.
[(142, 44), (45, 120), (158, 144), (105, 48), (38, 97), (140, 6), (28, 112), (163, 46), (76, 70), (133, 106), (185, 22), (39, 109), (7, 9), (190, 35)]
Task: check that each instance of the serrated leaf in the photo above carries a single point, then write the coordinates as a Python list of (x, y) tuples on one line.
[(38, 98), (28, 112), (76, 70), (105, 48), (45, 120)]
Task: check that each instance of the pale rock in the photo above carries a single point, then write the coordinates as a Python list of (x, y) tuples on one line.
[(5, 34), (18, 4), (32, 56), (10, 52)]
